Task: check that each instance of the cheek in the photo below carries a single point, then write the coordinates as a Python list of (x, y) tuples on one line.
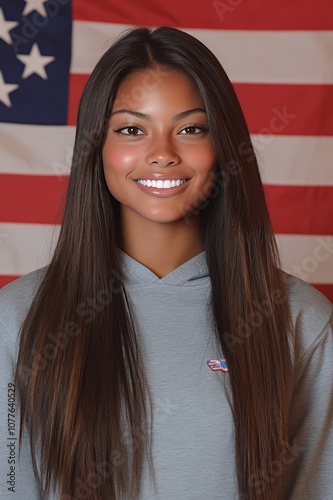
[(113, 167), (120, 161), (117, 166), (204, 162)]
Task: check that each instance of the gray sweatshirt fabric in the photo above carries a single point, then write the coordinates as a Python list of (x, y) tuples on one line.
[(193, 441)]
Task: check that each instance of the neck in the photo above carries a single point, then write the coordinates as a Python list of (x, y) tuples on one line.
[(161, 247)]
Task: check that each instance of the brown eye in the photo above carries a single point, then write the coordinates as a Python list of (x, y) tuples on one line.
[(193, 129), (133, 131)]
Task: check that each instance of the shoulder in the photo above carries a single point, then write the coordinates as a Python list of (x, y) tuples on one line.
[(311, 314), (16, 298), (307, 305)]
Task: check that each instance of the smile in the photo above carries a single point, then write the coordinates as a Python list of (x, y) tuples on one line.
[(162, 184)]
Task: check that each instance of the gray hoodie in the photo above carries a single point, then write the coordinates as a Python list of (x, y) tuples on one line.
[(193, 440)]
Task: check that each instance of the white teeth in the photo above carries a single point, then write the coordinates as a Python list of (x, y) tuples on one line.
[(161, 184)]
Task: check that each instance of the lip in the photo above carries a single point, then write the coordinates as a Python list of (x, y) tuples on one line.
[(161, 177), (162, 193)]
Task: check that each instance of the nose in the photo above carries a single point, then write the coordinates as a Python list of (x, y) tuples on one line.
[(162, 153)]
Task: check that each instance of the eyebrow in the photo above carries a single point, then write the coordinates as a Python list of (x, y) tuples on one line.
[(144, 116)]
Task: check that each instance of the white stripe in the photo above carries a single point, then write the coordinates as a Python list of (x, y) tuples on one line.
[(247, 56), (25, 247), (307, 257), (36, 149), (290, 160), (295, 160), (90, 41)]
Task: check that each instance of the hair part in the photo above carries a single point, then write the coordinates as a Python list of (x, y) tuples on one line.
[(87, 405)]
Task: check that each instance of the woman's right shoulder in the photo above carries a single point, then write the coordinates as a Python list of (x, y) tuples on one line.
[(16, 298)]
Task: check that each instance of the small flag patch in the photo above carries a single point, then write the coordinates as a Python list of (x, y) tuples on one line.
[(218, 364)]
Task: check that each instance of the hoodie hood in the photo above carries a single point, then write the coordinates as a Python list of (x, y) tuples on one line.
[(191, 273)]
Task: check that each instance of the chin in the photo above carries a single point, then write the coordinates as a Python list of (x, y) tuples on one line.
[(162, 218)]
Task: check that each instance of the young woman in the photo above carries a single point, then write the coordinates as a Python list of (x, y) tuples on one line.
[(163, 354)]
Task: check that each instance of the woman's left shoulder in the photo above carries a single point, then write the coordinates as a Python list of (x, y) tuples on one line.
[(311, 312)]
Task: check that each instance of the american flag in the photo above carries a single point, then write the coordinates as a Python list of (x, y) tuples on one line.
[(218, 365), (277, 53)]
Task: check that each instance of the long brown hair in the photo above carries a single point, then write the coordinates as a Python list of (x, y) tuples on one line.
[(84, 396)]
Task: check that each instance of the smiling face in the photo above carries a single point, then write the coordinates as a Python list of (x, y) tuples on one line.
[(158, 155)]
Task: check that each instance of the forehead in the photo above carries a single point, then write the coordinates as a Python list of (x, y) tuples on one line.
[(157, 84)]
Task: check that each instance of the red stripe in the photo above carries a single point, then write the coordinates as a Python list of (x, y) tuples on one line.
[(215, 14), (6, 278), (269, 109), (293, 209), (301, 209), (76, 86), (32, 198), (287, 109), (325, 289)]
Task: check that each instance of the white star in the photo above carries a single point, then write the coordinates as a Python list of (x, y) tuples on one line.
[(5, 89), (35, 62), (34, 5), (6, 27)]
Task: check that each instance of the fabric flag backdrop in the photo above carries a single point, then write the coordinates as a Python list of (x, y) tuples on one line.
[(278, 55)]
